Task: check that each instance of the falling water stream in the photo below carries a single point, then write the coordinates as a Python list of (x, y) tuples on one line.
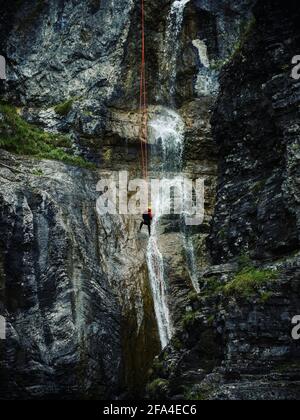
[(167, 134), (171, 44)]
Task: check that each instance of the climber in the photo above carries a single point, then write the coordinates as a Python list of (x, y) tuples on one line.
[(147, 220)]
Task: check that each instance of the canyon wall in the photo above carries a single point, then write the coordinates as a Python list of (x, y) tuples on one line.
[(235, 340), (75, 286)]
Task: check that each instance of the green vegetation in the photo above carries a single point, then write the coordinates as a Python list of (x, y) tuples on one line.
[(244, 262), (158, 366), (37, 172), (295, 147), (211, 320), (193, 297), (20, 137), (201, 393), (258, 186), (218, 64), (157, 388), (222, 234), (213, 286), (266, 296), (64, 108), (107, 154), (247, 282), (285, 67), (176, 343), (245, 32), (188, 319)]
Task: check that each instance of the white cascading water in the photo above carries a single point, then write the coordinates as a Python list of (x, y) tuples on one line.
[(166, 132), (174, 25)]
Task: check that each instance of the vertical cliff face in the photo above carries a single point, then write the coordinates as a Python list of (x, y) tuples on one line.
[(72, 280), (75, 286), (63, 318), (256, 129), (235, 339)]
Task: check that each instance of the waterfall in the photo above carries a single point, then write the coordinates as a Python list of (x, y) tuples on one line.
[(171, 45), (167, 134), (191, 258)]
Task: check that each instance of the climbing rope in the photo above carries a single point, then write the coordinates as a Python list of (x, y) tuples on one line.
[(143, 131)]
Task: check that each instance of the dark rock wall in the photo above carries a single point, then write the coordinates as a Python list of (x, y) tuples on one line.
[(256, 126), (75, 286), (63, 318), (75, 289), (238, 345), (234, 348)]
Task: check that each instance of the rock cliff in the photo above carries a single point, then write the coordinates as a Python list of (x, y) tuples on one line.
[(75, 286), (235, 341)]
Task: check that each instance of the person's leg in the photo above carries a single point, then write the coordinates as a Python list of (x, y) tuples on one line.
[(142, 224), (149, 229)]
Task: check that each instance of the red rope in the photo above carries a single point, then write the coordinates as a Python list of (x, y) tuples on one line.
[(143, 134)]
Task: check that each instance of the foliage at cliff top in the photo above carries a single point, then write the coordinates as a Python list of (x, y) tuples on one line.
[(20, 137)]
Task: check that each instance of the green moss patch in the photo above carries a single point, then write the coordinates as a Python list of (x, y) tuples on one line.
[(158, 388), (20, 137), (199, 393), (249, 281), (64, 108), (213, 286), (189, 319)]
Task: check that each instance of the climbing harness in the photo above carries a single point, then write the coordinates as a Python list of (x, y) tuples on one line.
[(143, 130)]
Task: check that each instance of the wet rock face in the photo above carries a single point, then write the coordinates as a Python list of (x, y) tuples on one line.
[(74, 288), (257, 131), (235, 348), (211, 31), (63, 319), (57, 258), (56, 255), (238, 345), (60, 51)]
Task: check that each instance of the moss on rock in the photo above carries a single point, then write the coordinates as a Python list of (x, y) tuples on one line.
[(20, 137)]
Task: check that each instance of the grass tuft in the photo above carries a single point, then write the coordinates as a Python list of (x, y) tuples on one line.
[(249, 281), (19, 137)]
